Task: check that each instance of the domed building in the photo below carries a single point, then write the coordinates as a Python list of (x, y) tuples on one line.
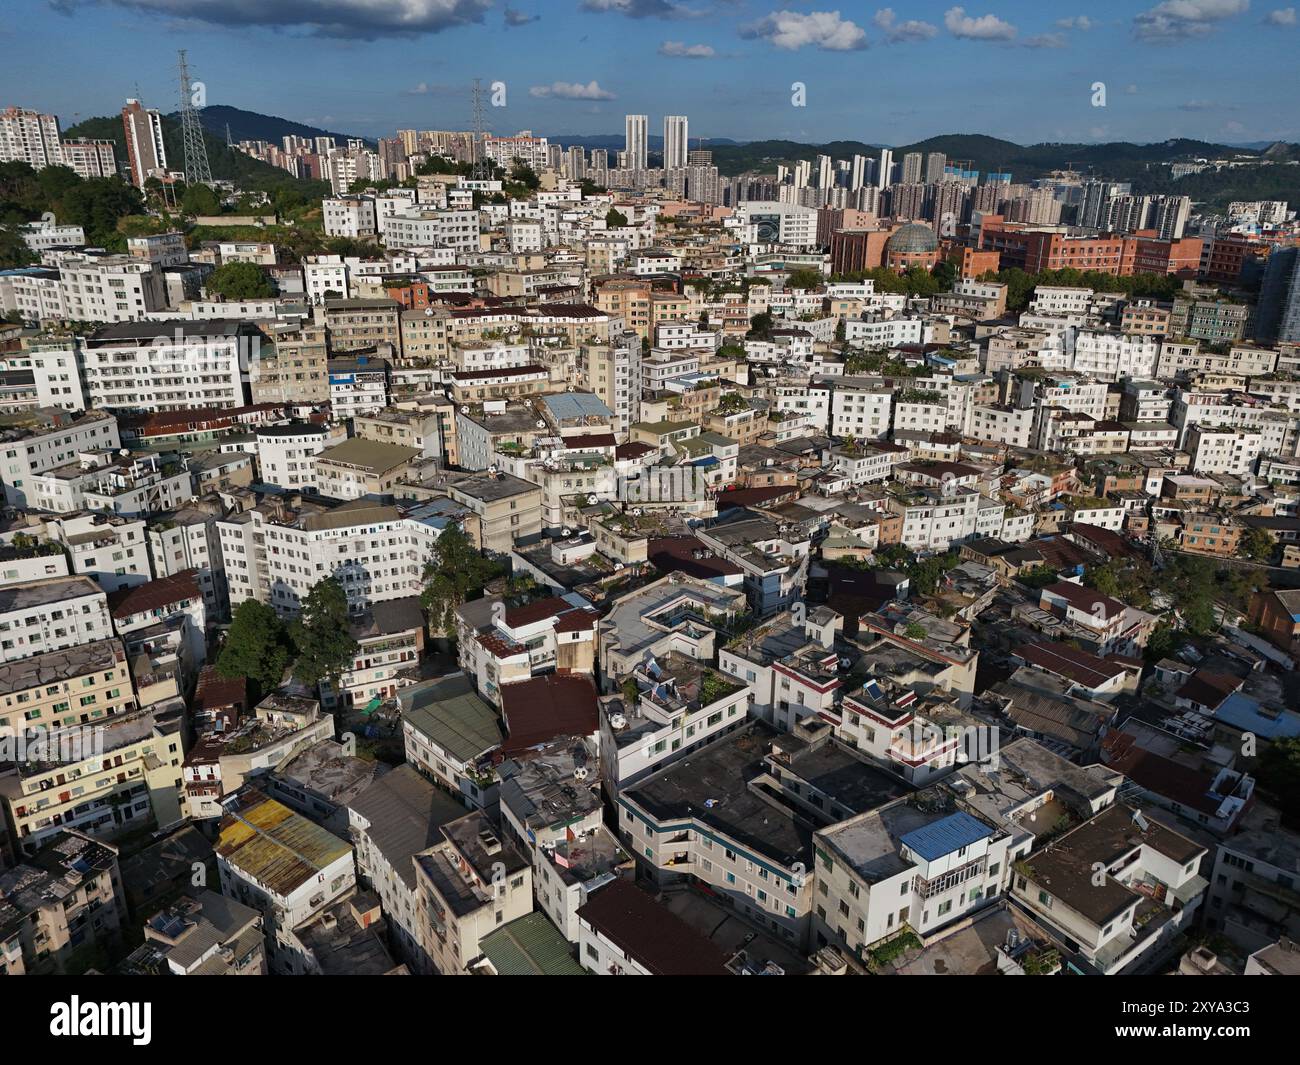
[(914, 244)]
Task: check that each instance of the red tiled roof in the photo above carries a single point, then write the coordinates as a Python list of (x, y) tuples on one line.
[(492, 375), (154, 595), (543, 708), (215, 692), (1186, 786), (1107, 540), (748, 497), (591, 440), (676, 554), (1069, 662), (537, 610), (1209, 689), (633, 450), (1086, 599), (655, 937)]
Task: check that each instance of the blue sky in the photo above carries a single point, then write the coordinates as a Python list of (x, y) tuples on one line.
[(1222, 70)]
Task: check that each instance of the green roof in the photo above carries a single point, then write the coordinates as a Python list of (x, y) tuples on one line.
[(452, 716), (530, 946)]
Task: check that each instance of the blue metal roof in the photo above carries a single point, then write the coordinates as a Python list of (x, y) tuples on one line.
[(945, 836), (1244, 713), (576, 405)]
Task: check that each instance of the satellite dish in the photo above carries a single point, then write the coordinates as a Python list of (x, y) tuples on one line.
[(592, 501), (567, 531), (541, 424)]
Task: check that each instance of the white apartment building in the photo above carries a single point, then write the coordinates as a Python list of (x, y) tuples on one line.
[(349, 216), (186, 539), (111, 288), (780, 223), (884, 332), (153, 366), (426, 229), (286, 453), (24, 453), (999, 423), (51, 614), (1216, 449), (861, 408), (326, 276), (111, 551), (1112, 356), (42, 236), (375, 553), (29, 137), (934, 520), (1140, 867), (289, 892), (1061, 300), (903, 867), (36, 294)]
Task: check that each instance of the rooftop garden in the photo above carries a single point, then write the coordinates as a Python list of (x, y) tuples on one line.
[(714, 687)]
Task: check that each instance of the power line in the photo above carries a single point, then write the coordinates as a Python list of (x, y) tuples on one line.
[(197, 170)]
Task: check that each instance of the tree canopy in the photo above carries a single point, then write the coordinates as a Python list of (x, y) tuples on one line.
[(239, 281), (257, 646), (455, 573), (325, 644)]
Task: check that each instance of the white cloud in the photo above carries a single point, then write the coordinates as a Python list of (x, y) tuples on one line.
[(518, 18), (1075, 22), (1179, 20), (641, 8), (1045, 40), (896, 32), (682, 50), (984, 28), (792, 30), (359, 19), (572, 90), (1282, 16)]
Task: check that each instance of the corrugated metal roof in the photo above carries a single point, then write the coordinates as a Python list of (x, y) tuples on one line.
[(277, 847), (530, 946), (453, 716), (945, 836), (567, 405)]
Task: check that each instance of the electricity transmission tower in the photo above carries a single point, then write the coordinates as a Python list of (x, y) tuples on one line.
[(197, 170), (482, 164)]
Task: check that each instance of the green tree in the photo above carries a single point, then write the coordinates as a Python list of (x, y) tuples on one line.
[(1198, 615), (200, 199), (239, 281), (1279, 773), (1257, 544), (614, 218), (97, 205), (761, 324), (1105, 579), (525, 175), (1164, 641), (257, 646), (14, 250), (804, 277), (321, 634), (455, 572)]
